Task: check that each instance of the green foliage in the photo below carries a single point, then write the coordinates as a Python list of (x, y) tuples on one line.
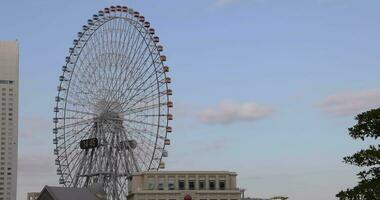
[(368, 188)]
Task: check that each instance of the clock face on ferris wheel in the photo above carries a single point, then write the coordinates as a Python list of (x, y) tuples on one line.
[(112, 110)]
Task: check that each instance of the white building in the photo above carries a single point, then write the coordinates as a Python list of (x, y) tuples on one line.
[(188, 185), (9, 66)]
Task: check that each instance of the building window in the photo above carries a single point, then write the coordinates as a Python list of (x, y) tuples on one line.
[(181, 184), (160, 183), (171, 183), (191, 185), (222, 185), (211, 185), (201, 185), (151, 183)]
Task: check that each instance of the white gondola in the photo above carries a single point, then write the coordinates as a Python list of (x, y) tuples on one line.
[(61, 181), (56, 161), (141, 19), (168, 92), (90, 22), (64, 68), (59, 172), (156, 39), (170, 117), (168, 129), (55, 131), (163, 58), (56, 109), (167, 80), (80, 34), (58, 99), (162, 165), (146, 24), (136, 14), (165, 69), (160, 48), (62, 78), (167, 142), (67, 59), (55, 151), (55, 120), (60, 88), (85, 28), (55, 141), (151, 31), (169, 104)]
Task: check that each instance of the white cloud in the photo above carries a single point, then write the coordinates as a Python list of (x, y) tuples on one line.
[(350, 103), (230, 112)]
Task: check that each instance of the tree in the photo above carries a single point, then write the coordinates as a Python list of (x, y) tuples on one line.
[(368, 188)]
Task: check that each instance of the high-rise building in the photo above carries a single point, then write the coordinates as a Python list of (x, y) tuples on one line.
[(9, 67)]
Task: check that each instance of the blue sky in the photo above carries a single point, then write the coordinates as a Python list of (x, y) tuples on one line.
[(266, 88)]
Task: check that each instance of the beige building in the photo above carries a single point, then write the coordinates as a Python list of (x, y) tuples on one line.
[(187, 185), (9, 61)]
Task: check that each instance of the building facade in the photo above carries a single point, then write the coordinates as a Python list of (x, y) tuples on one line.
[(187, 185), (9, 67)]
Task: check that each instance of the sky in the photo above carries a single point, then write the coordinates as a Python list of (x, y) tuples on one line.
[(264, 88)]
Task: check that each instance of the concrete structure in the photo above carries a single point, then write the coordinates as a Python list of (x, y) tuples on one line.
[(188, 185), (32, 195), (9, 66)]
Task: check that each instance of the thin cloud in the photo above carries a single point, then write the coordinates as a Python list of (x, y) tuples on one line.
[(35, 170), (32, 126), (231, 112), (225, 2), (350, 103)]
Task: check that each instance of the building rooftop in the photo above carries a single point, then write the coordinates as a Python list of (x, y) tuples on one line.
[(185, 172), (65, 193)]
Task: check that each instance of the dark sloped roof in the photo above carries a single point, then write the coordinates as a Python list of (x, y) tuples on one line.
[(66, 193)]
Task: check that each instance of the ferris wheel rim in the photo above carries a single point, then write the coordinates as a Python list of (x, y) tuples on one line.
[(68, 88)]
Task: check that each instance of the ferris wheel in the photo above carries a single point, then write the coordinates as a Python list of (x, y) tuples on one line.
[(112, 110)]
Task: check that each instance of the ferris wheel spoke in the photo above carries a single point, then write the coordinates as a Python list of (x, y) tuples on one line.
[(133, 110), (116, 83), (131, 97), (80, 112), (142, 142), (147, 98), (74, 133), (139, 133), (134, 44), (83, 122), (145, 123), (138, 68)]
